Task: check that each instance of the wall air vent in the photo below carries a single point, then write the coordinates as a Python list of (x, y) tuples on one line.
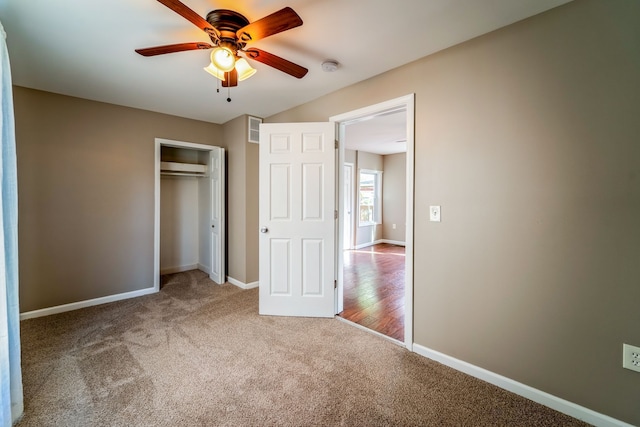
[(254, 129)]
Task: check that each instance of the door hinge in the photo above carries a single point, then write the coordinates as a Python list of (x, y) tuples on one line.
[(335, 214), (337, 144), (335, 284)]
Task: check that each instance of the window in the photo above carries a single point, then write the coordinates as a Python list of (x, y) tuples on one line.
[(369, 188)]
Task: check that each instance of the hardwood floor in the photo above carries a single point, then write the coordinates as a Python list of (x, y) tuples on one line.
[(374, 288)]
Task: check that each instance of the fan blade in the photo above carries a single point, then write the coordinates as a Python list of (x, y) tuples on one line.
[(182, 10), (171, 48), (282, 20), (274, 61)]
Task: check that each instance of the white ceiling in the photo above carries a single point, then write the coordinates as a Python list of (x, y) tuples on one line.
[(85, 48), (382, 134)]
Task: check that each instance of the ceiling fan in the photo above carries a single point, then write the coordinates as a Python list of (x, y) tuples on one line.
[(230, 32)]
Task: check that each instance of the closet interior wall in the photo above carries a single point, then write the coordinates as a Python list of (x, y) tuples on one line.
[(184, 215)]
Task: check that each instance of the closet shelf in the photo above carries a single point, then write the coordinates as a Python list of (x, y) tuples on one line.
[(182, 169)]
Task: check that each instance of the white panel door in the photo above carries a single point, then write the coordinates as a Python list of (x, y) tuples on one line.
[(216, 175), (297, 222)]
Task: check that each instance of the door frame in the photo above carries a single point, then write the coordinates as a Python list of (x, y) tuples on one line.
[(404, 103), (160, 142), (351, 227)]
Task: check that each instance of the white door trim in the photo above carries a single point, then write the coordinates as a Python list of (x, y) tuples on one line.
[(159, 142), (216, 220), (352, 207), (404, 103)]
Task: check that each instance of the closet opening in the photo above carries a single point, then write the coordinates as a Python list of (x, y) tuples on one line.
[(189, 230)]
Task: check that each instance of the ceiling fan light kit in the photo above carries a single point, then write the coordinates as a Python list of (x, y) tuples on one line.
[(211, 69), (230, 32), (223, 59), (244, 69)]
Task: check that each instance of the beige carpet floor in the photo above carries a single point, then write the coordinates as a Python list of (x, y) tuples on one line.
[(198, 354)]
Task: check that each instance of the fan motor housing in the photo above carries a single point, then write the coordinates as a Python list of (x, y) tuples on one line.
[(228, 22)]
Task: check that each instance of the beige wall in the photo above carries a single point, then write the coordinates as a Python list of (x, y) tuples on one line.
[(242, 185), (234, 134), (369, 161), (251, 190), (394, 197), (179, 231), (366, 234), (528, 139), (85, 193)]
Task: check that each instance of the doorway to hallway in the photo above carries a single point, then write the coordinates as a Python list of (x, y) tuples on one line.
[(374, 288), (379, 141)]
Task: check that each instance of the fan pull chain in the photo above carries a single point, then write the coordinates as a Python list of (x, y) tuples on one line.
[(228, 94), (217, 86)]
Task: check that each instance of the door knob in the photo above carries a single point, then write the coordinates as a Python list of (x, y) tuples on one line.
[(264, 230)]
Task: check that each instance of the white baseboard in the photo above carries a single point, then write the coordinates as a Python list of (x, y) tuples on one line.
[(391, 242), (366, 245), (179, 269), (82, 304), (204, 268), (546, 399), (242, 285)]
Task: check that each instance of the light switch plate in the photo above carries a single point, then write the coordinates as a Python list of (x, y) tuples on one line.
[(434, 213)]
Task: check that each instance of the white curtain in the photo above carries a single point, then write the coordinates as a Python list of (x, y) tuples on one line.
[(10, 373)]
